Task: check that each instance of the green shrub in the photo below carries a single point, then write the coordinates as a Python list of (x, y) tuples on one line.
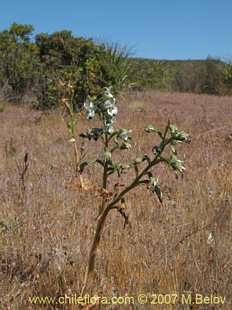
[(149, 74), (88, 66), (227, 77), (18, 59)]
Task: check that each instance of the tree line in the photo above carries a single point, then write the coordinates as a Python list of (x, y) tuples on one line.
[(34, 66)]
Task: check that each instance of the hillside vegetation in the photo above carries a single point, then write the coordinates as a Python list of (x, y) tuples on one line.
[(31, 68)]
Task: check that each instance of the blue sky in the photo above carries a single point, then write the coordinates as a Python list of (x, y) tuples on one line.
[(163, 29)]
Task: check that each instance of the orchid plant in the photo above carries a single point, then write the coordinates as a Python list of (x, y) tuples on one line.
[(113, 196)]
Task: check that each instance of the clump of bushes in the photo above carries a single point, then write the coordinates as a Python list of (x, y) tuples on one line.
[(149, 74), (38, 65), (19, 60), (210, 76), (227, 77), (199, 77)]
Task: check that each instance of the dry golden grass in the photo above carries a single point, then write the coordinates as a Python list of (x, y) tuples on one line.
[(46, 231)]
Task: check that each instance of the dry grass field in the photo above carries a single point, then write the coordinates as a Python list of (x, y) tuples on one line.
[(47, 223)]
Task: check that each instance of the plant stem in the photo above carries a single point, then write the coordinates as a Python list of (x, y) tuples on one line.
[(106, 209), (105, 175), (92, 253), (104, 183), (77, 159)]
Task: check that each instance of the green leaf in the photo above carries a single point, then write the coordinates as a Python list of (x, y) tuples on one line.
[(125, 146), (178, 136), (176, 163), (151, 128), (154, 187)]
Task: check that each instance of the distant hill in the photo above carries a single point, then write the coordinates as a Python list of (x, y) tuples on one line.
[(181, 75)]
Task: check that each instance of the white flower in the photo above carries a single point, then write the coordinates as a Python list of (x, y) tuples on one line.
[(106, 109), (108, 125), (124, 134), (108, 104), (108, 93), (90, 109), (154, 181), (90, 114), (88, 105), (109, 128), (112, 111)]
